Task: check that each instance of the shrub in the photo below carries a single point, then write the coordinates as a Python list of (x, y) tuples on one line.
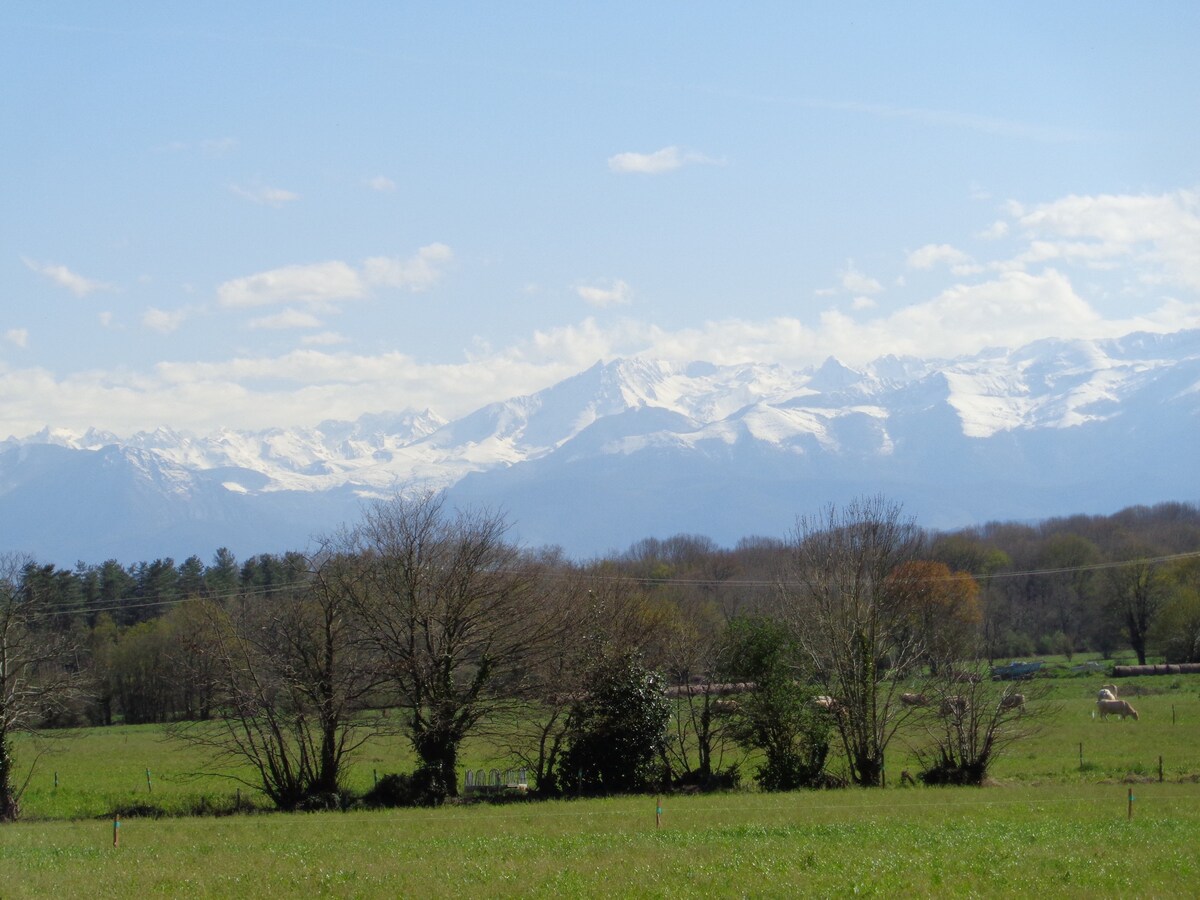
[(617, 731), (420, 788)]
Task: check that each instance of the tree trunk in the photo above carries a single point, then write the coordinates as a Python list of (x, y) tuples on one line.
[(438, 751), (9, 808)]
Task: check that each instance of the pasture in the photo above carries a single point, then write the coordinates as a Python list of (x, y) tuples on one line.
[(1051, 822)]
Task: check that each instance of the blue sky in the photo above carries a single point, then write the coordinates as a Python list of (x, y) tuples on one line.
[(259, 215)]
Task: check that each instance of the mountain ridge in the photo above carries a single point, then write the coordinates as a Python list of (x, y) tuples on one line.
[(639, 445)]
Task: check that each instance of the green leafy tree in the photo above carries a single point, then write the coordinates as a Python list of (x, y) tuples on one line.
[(1136, 591), (1176, 631), (777, 716), (617, 731), (222, 576)]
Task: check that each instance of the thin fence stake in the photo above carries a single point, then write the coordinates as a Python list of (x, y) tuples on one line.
[(149, 786), (1131, 804), (1172, 713), (56, 781), (658, 812), (1081, 754), (116, 831)]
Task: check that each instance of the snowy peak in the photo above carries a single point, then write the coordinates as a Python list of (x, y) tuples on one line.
[(671, 439)]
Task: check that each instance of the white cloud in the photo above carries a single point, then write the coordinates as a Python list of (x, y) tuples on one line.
[(995, 231), (1035, 294), (289, 318), (381, 183), (857, 283), (668, 159), (317, 284), (936, 254), (18, 337), (418, 273), (615, 293), (64, 277), (164, 321), (1159, 234), (264, 195), (321, 286)]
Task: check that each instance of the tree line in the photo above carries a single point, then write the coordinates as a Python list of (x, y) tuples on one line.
[(429, 624)]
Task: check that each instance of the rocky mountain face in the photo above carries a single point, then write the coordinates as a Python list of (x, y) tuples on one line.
[(635, 447)]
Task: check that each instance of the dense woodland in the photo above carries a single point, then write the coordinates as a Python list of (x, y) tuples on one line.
[(433, 611)]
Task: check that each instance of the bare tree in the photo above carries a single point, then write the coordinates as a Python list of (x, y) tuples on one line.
[(294, 680), (452, 610), (39, 672), (856, 630), (971, 722)]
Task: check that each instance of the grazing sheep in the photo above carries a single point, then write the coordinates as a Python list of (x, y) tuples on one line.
[(1012, 701), (829, 704), (914, 699), (955, 706), (1116, 707), (1105, 694)]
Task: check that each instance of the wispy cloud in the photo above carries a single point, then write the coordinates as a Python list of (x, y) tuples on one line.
[(936, 254), (668, 159), (18, 337), (218, 147), (417, 273), (614, 293), (323, 285), (264, 195), (317, 284), (856, 282), (381, 183), (164, 321), (77, 284)]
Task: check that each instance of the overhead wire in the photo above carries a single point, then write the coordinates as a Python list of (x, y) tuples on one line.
[(585, 576)]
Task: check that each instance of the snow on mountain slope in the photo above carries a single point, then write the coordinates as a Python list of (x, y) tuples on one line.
[(1018, 429)]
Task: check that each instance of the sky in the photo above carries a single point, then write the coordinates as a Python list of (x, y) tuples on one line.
[(231, 215)]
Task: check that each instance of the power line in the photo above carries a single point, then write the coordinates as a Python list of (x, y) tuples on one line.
[(619, 578)]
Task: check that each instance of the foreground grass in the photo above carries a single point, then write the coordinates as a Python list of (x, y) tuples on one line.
[(1061, 840)]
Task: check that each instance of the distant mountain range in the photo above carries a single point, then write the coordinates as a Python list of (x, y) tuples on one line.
[(635, 447)]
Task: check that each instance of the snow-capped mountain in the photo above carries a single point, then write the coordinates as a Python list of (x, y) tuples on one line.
[(636, 447)]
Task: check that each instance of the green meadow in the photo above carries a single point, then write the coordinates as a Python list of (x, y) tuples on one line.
[(1052, 821)]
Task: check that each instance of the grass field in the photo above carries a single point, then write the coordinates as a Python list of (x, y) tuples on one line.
[(1058, 840), (1049, 825)]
